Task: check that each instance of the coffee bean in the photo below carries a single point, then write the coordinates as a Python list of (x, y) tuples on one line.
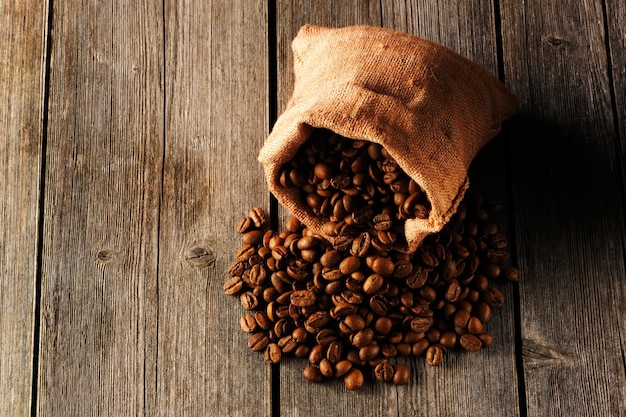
[(342, 368), (302, 298), (257, 215), (312, 374), (316, 321), (448, 339), (354, 379), (486, 339), (379, 304), (401, 374), (383, 326), (248, 323), (369, 352), (272, 353), (470, 342), (349, 265), (513, 274), (474, 325), (363, 337), (373, 283), (384, 372), (361, 245), (233, 286), (493, 297), (354, 323), (383, 266), (249, 301), (244, 224), (421, 324), (434, 356), (258, 341), (287, 344)]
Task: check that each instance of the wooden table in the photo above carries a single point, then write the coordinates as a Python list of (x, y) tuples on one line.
[(129, 136)]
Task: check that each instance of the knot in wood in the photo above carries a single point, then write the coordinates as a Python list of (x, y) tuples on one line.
[(105, 255), (200, 256)]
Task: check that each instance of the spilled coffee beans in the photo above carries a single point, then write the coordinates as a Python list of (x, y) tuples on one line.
[(359, 308), (360, 303)]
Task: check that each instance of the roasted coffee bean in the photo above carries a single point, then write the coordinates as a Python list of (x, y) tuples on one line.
[(302, 298), (401, 374), (369, 352), (421, 324), (384, 372), (361, 244), (363, 337), (513, 274), (470, 342), (257, 215), (448, 339), (342, 368), (258, 341), (312, 374), (249, 301), (434, 356), (334, 351), (383, 266), (233, 286), (326, 368), (418, 348), (287, 344), (474, 325), (354, 323), (272, 353), (349, 265), (325, 337), (453, 292), (461, 318), (373, 283), (317, 321), (379, 304), (354, 379), (248, 323), (493, 297), (244, 224)]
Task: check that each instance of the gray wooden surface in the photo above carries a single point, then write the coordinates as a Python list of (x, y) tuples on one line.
[(128, 140)]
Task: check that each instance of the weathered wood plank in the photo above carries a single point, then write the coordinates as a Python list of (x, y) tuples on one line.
[(217, 117), (23, 36), (103, 181), (569, 220), (616, 26), (454, 388), (451, 389)]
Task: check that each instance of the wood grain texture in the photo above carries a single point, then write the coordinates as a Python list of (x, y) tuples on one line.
[(23, 36), (483, 383), (616, 40), (216, 119), (103, 181), (568, 217)]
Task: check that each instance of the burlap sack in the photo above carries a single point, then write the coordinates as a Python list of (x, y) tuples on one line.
[(431, 108)]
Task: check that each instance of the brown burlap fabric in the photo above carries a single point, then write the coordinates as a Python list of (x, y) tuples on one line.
[(431, 108)]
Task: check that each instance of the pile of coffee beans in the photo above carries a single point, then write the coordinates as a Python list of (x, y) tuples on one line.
[(360, 305), (355, 185)]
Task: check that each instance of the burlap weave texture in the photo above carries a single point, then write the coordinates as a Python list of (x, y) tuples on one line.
[(431, 108)]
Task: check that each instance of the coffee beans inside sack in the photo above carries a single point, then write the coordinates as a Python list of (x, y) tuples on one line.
[(429, 108)]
